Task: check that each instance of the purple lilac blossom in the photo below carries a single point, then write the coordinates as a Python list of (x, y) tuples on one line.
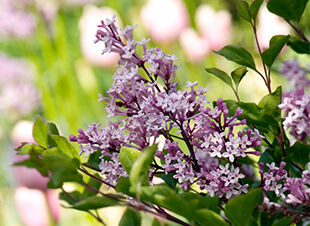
[(295, 74), (17, 91), (293, 191), (296, 107), (145, 94)]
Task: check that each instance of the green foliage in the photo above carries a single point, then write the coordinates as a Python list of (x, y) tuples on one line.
[(237, 54), (290, 10), (299, 46), (94, 202), (139, 172), (239, 209), (127, 157), (130, 218), (238, 74), (206, 217), (244, 10), (299, 152), (164, 196), (254, 7), (275, 46), (221, 75), (40, 132)]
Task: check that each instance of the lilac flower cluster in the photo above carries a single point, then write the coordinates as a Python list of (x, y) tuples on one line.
[(295, 74), (293, 191), (296, 106), (145, 94)]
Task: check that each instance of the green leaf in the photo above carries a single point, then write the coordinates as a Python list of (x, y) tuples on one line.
[(220, 74), (206, 217), (197, 201), (40, 132), (167, 198), (284, 221), (299, 46), (244, 10), (26, 148), (270, 102), (35, 163), (130, 218), (123, 186), (238, 74), (239, 209), (94, 202), (298, 153), (62, 169), (170, 181), (64, 146), (237, 54), (71, 197), (254, 7), (128, 156), (275, 46), (94, 184), (288, 9), (52, 128), (139, 173)]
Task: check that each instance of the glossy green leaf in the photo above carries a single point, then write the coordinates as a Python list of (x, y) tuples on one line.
[(34, 162), (139, 172), (130, 218), (170, 181), (288, 9), (94, 202), (167, 198), (239, 209), (237, 54), (238, 74), (275, 46), (62, 169), (299, 46), (26, 148), (284, 221), (244, 10), (254, 7), (123, 186), (40, 132), (128, 156), (298, 153), (206, 217), (270, 102), (94, 183), (71, 197), (64, 145), (221, 75), (52, 128)]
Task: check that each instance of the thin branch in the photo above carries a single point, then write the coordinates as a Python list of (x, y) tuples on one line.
[(96, 178), (298, 31)]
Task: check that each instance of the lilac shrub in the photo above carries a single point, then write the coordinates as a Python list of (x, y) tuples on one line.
[(152, 108), (166, 147)]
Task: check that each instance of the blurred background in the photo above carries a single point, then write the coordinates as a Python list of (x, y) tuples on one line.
[(49, 65)]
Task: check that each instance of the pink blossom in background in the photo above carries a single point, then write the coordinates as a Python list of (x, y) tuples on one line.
[(31, 205), (270, 25), (164, 19), (194, 46), (15, 22), (18, 94), (214, 26), (88, 29)]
